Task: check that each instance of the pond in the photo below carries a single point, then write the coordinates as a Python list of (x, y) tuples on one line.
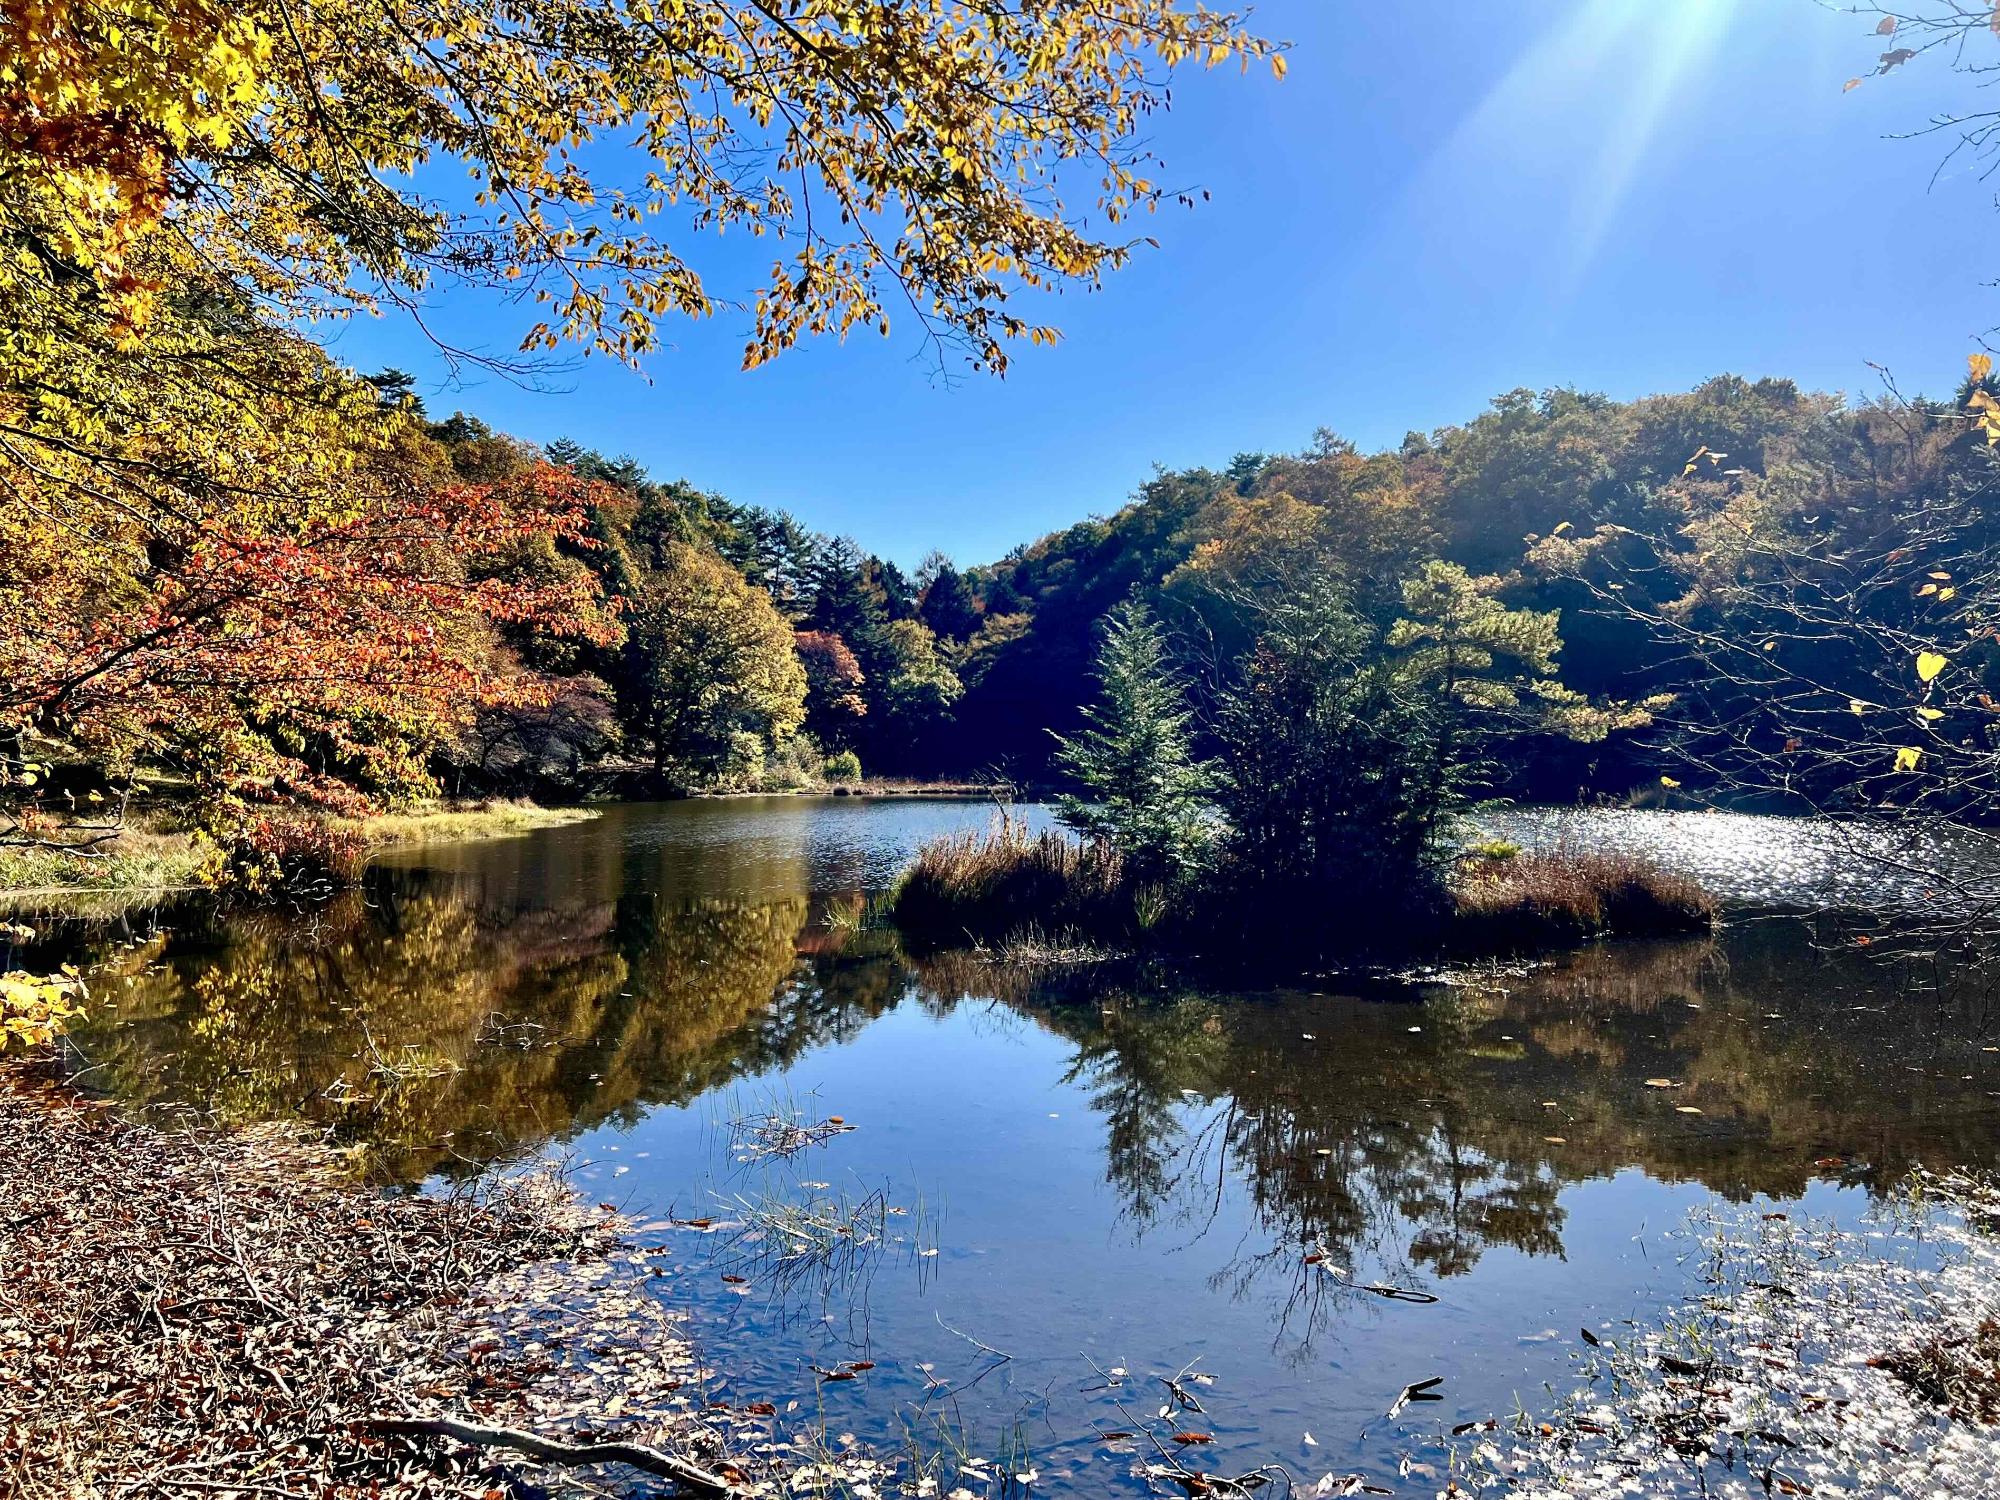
[(1056, 1193)]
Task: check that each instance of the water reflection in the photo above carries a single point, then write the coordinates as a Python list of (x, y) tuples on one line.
[(440, 1021), (1155, 1174)]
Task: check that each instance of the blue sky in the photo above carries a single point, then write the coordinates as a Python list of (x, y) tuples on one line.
[(1437, 204)]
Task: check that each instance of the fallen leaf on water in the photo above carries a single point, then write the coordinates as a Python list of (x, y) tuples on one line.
[(1194, 1437), (1686, 1109), (1661, 1083)]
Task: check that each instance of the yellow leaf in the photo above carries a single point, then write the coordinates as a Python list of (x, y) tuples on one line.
[(1561, 527), (1930, 715), (1851, 85), (1929, 664), (1907, 758), (1981, 364), (1944, 594), (1857, 705), (1668, 782), (1277, 65)]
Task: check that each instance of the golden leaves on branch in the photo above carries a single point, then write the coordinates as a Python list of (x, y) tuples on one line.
[(922, 148)]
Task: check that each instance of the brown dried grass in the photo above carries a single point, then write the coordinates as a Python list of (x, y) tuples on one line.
[(1009, 884), (1564, 894)]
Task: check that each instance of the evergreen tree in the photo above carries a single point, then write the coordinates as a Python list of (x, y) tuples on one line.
[(949, 608), (1146, 794), (1334, 795)]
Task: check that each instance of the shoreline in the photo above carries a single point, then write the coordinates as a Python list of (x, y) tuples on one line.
[(185, 861), (332, 1340)]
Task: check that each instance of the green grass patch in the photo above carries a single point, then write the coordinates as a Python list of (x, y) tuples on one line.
[(139, 861)]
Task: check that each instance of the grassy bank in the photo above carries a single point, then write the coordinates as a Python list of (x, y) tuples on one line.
[(448, 822), (1010, 888), (155, 854), (144, 860)]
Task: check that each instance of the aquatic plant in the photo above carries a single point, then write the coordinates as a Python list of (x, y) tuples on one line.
[(966, 889), (1564, 894)]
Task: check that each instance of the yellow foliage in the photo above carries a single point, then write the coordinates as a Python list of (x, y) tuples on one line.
[(895, 144), (36, 1009)]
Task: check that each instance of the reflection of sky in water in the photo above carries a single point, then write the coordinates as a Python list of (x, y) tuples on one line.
[(1135, 1181), (1042, 1259)]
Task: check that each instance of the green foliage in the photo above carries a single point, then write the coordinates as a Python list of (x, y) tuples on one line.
[(842, 765), (1495, 665), (714, 678), (1145, 793), (1336, 795)]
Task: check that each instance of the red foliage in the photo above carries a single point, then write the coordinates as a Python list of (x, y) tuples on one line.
[(325, 657), (833, 682)]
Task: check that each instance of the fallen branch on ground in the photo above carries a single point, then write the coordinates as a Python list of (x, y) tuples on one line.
[(552, 1450)]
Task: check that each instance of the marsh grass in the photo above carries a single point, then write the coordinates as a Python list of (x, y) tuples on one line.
[(1009, 886), (1565, 894), (1050, 899)]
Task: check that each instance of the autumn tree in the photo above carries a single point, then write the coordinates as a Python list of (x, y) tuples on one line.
[(834, 680), (713, 662), (921, 148), (189, 489)]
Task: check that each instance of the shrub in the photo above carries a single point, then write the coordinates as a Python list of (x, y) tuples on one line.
[(1009, 883), (1564, 894), (294, 855), (842, 765)]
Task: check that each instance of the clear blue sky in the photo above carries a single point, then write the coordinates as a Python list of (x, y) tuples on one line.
[(1437, 204)]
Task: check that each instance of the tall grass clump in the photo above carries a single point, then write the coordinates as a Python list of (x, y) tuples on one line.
[(1564, 894), (994, 887)]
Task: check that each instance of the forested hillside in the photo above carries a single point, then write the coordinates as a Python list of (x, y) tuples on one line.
[(1614, 514)]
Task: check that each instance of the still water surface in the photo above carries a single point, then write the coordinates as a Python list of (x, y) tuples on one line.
[(1062, 1177)]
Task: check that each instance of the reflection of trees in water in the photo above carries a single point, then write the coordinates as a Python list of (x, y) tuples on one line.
[(1403, 1141), (432, 1031), (440, 1022)]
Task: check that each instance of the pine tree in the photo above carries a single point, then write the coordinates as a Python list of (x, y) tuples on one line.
[(1145, 792)]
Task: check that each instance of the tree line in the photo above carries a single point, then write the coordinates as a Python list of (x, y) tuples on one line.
[(561, 610), (1595, 542)]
